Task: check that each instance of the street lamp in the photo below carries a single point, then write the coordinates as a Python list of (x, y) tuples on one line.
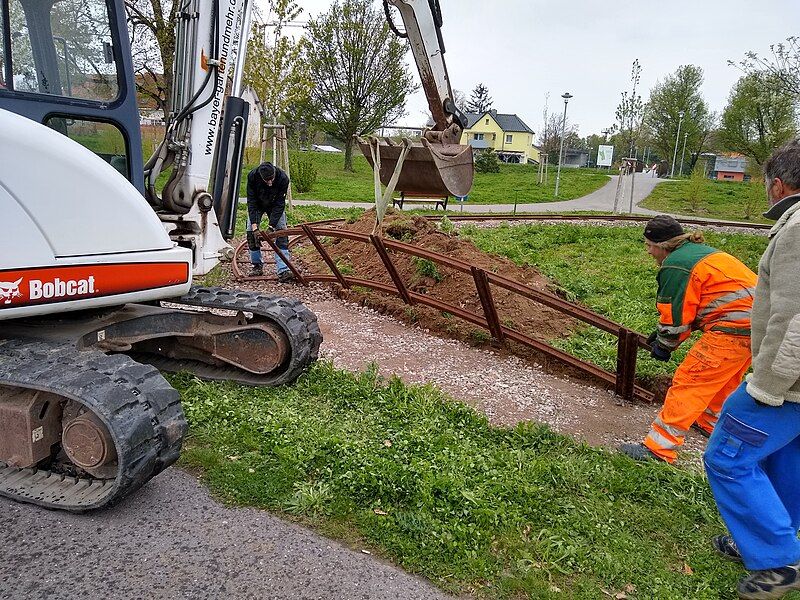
[(677, 138), (605, 133), (566, 96), (685, 135)]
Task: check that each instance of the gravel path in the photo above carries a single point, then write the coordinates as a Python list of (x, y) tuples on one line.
[(506, 388)]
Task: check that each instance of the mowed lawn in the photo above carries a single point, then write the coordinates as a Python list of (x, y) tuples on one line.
[(423, 480), (514, 183), (606, 269), (735, 201)]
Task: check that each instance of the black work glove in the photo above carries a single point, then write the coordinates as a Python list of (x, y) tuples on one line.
[(658, 352), (652, 338), (252, 242)]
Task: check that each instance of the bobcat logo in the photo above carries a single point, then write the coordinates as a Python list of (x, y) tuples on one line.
[(9, 290)]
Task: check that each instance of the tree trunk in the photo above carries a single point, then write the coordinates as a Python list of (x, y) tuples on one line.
[(348, 154)]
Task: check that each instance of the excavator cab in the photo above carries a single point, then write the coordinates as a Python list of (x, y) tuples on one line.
[(437, 165), (67, 64)]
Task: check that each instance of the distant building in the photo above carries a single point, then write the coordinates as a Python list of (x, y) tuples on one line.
[(253, 139), (729, 168), (507, 134), (574, 158)]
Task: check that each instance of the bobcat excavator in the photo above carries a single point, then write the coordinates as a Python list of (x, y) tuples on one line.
[(96, 263)]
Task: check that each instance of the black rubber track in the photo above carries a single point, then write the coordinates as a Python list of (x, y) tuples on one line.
[(297, 322), (140, 409)]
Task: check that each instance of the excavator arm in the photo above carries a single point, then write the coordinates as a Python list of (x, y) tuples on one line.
[(438, 165), (423, 22), (203, 144)]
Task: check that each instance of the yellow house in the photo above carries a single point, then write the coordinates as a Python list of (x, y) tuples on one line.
[(507, 134)]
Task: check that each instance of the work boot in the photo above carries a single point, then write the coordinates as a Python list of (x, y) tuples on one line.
[(285, 276), (770, 583), (256, 270), (700, 430), (726, 547), (639, 452)]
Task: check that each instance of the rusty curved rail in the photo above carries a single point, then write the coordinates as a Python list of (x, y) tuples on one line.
[(629, 341), (563, 217)]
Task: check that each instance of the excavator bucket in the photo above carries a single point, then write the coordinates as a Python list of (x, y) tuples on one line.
[(429, 168)]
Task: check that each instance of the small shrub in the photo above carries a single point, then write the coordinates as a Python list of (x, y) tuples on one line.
[(304, 175), (479, 336), (446, 225), (694, 193), (309, 498), (427, 268), (345, 268), (486, 162)]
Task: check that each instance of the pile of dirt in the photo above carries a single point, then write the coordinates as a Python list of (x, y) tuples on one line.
[(356, 259)]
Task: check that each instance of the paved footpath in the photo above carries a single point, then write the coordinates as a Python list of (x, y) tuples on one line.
[(171, 540), (599, 200)]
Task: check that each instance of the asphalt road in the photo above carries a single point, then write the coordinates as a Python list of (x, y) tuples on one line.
[(599, 200), (172, 540)]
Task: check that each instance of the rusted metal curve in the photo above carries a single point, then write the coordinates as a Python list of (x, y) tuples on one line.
[(629, 341)]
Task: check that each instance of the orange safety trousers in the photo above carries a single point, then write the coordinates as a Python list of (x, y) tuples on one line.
[(711, 371)]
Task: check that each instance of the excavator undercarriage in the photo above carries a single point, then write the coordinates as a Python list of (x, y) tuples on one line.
[(82, 425)]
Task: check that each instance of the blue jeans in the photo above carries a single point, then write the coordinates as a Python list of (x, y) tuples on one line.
[(282, 242), (753, 465)]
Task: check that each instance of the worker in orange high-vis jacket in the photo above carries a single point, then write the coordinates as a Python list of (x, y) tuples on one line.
[(699, 288)]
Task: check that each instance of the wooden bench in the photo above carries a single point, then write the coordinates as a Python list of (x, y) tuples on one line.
[(420, 199)]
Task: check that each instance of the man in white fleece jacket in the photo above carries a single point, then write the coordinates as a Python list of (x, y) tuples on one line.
[(753, 457)]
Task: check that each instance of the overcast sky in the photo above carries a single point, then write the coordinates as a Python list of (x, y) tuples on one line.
[(523, 50)]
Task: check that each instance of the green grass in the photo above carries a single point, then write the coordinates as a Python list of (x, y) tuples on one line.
[(606, 269), (426, 482), (719, 200), (514, 183)]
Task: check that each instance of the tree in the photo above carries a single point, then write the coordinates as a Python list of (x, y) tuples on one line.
[(679, 92), (486, 161), (459, 99), (759, 117), (360, 78), (550, 136), (479, 100), (152, 29), (696, 187), (278, 73), (630, 111), (783, 65)]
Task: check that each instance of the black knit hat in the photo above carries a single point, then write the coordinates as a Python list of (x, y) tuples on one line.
[(266, 170), (662, 228)]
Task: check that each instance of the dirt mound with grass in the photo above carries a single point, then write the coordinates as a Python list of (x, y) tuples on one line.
[(356, 259)]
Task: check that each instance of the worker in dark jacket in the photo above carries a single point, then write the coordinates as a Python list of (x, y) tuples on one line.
[(266, 195)]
